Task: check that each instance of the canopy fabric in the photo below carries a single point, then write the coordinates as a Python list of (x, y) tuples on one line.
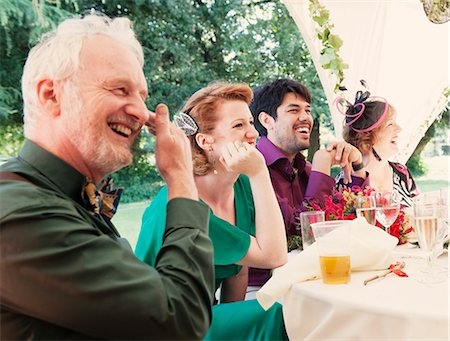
[(393, 46)]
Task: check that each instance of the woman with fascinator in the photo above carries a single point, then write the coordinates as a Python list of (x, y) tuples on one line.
[(246, 226), (371, 126)]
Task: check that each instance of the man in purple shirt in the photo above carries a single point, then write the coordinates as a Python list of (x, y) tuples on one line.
[(282, 114)]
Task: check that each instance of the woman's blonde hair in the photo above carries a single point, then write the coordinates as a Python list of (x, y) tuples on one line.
[(202, 106)]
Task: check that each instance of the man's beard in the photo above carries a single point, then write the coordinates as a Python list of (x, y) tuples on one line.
[(292, 145), (95, 149)]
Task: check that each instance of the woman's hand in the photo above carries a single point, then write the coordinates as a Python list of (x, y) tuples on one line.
[(241, 157), (268, 247)]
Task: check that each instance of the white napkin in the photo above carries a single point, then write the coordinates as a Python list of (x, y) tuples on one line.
[(370, 249)]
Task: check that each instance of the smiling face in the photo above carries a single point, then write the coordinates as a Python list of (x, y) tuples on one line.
[(291, 130), (235, 124), (111, 89), (385, 139)]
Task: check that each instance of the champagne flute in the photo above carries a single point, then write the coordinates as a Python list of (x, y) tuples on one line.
[(388, 207), (366, 207), (441, 202), (430, 232)]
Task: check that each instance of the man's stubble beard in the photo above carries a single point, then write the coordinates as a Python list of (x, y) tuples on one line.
[(95, 149), (291, 144)]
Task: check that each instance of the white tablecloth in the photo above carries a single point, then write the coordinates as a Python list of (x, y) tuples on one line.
[(394, 308)]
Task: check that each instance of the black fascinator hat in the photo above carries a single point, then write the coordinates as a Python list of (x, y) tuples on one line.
[(366, 113)]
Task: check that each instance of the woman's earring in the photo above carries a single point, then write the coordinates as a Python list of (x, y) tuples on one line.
[(377, 157), (213, 162)]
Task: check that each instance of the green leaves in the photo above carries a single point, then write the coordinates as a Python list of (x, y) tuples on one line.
[(330, 58), (187, 44), (335, 41)]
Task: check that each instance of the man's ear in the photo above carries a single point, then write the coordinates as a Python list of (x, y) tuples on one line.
[(266, 120), (49, 95), (204, 141)]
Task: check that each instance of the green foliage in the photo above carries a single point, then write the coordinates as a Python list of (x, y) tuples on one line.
[(334, 171), (416, 166), (9, 97), (187, 44), (438, 11), (441, 124), (330, 58), (295, 243), (11, 139), (140, 180)]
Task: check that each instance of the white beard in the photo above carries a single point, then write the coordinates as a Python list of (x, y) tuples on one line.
[(97, 152)]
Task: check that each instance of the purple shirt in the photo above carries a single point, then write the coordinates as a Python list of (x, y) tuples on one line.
[(293, 183)]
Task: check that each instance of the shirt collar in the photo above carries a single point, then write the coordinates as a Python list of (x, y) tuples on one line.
[(61, 174), (272, 154)]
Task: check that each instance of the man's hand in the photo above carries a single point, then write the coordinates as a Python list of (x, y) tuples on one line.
[(345, 155), (173, 156), (338, 153)]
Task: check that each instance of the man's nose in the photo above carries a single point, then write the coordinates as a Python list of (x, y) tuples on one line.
[(138, 109)]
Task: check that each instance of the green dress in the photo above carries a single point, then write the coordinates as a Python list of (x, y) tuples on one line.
[(248, 321)]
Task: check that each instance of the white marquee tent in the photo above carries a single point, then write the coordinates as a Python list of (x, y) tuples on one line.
[(394, 47)]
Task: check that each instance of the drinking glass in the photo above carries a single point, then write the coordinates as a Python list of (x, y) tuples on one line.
[(306, 219), (333, 242), (366, 207), (388, 207), (431, 231), (438, 199)]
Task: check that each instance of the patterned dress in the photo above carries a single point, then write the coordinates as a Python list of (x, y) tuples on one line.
[(402, 181)]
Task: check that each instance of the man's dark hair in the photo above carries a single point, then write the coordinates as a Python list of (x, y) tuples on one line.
[(269, 97)]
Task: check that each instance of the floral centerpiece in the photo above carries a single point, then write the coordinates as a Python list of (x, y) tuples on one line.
[(341, 205)]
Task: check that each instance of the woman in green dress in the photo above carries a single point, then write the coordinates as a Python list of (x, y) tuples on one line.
[(246, 225)]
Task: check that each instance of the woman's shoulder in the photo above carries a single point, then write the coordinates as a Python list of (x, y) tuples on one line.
[(399, 167), (158, 201), (402, 175), (242, 186), (401, 170), (243, 180)]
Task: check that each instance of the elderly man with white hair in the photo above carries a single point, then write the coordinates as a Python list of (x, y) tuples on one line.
[(65, 271)]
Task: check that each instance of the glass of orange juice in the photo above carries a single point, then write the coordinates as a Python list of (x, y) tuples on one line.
[(333, 243)]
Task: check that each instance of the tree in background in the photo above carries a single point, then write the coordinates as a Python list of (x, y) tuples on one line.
[(19, 29), (415, 162), (187, 44)]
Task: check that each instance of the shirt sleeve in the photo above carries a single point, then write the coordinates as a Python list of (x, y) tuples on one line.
[(356, 181), (319, 186), (58, 268), (230, 242)]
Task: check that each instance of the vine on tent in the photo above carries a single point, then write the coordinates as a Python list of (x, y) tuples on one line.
[(330, 58), (437, 11)]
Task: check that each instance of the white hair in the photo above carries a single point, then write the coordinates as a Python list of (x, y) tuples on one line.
[(57, 54)]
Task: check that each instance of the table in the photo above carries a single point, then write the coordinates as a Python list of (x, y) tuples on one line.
[(395, 307)]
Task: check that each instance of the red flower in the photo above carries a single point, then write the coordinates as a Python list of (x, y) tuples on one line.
[(341, 206), (396, 269)]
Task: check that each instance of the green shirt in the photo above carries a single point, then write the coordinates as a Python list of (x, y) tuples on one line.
[(65, 275), (230, 242)]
